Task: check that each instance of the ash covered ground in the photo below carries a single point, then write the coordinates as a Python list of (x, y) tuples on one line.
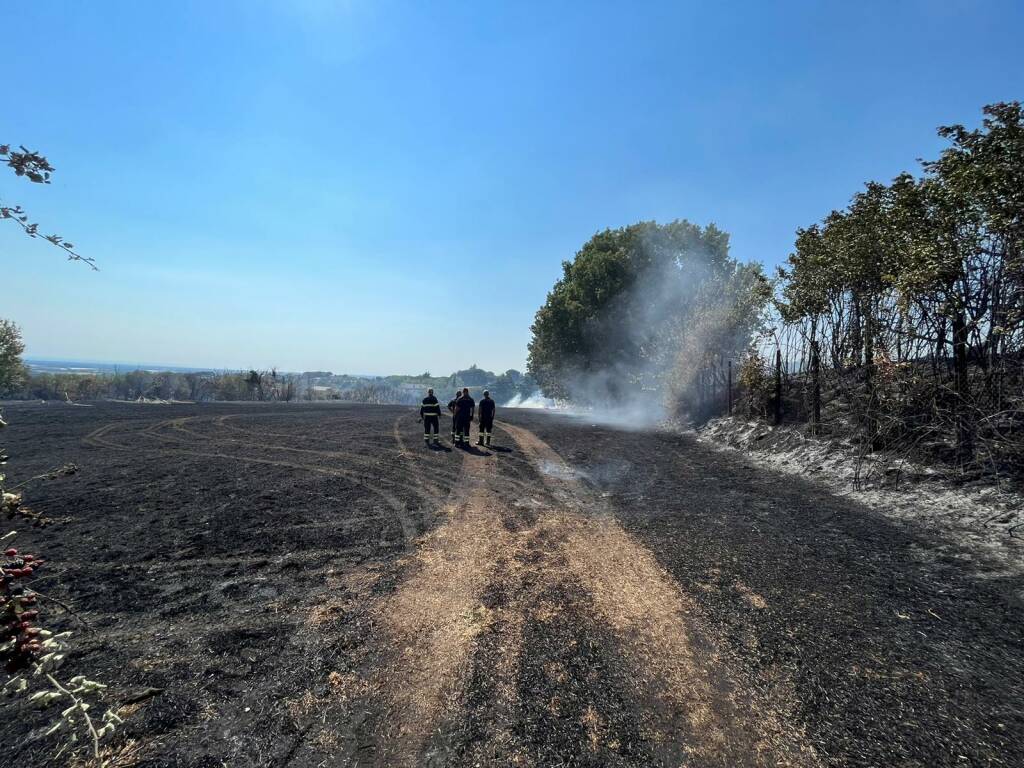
[(275, 584)]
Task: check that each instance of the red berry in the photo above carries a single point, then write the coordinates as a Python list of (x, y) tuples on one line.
[(28, 558), (11, 552), (26, 571), (26, 615)]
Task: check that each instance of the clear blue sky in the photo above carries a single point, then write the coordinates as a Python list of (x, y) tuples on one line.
[(391, 187)]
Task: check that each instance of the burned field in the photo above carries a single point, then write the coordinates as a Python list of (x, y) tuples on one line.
[(276, 584)]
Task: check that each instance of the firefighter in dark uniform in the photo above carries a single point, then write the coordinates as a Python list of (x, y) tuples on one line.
[(451, 408), (487, 406), (464, 409), (430, 415)]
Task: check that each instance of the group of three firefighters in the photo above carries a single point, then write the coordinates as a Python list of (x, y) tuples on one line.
[(463, 408)]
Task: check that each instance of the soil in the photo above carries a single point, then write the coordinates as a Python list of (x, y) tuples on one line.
[(307, 584)]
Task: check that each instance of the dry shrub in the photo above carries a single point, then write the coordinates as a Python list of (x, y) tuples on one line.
[(755, 384)]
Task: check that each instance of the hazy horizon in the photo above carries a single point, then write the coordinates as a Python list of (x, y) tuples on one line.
[(35, 362), (386, 187)]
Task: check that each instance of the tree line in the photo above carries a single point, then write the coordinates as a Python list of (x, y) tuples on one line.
[(899, 319), (908, 305), (18, 382)]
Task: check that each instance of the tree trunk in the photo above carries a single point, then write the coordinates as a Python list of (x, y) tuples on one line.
[(816, 376), (856, 336), (962, 387), (778, 387)]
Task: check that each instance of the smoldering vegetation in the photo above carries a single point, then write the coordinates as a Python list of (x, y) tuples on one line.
[(897, 322), (639, 315)]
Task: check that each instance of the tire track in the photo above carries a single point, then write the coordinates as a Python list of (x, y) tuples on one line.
[(504, 618), (673, 657), (408, 526), (432, 620)]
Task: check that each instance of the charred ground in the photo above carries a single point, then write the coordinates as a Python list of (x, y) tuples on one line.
[(293, 584)]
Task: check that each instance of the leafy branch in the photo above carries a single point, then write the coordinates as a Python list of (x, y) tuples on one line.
[(36, 169)]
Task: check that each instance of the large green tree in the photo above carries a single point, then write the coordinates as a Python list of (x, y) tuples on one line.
[(626, 304)]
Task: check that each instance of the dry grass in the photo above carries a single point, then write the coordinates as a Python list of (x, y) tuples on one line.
[(754, 600), (594, 724), (126, 755), (641, 604), (349, 591), (302, 707), (434, 617)]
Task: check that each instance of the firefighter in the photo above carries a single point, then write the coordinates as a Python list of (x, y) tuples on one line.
[(487, 407), (430, 415), (451, 408), (465, 406)]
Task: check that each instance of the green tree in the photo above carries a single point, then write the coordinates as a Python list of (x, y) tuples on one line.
[(928, 272), (618, 318), (473, 376), (12, 369)]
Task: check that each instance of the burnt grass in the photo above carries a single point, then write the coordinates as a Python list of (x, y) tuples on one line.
[(899, 652), (195, 561), (196, 542)]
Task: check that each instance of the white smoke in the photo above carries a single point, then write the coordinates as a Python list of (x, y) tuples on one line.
[(675, 318), (536, 400), (637, 414), (648, 317)]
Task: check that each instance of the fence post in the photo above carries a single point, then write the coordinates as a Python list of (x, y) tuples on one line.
[(778, 386), (729, 388), (816, 374)]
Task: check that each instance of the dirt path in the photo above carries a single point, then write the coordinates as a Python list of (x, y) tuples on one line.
[(632, 676)]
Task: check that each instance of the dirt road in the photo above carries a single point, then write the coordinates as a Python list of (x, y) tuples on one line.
[(309, 585)]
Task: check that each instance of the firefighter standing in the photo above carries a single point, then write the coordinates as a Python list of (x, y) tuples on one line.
[(487, 407), (451, 408), (430, 415), (464, 409)]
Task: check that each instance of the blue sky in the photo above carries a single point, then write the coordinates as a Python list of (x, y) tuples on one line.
[(387, 187)]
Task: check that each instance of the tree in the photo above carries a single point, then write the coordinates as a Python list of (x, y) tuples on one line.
[(12, 369), (473, 376), (926, 275), (618, 318), (255, 383)]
